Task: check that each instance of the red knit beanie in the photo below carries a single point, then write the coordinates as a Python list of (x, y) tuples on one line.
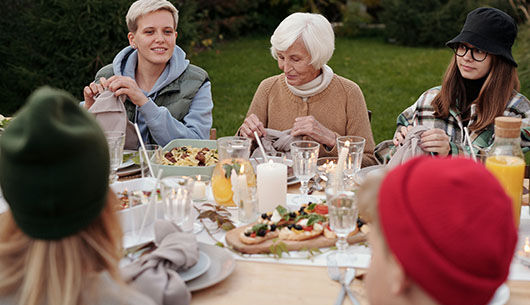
[(450, 225)]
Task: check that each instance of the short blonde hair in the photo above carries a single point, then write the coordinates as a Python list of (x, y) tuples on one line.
[(316, 33), (143, 7)]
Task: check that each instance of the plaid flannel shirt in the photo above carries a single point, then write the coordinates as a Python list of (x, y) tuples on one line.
[(421, 113)]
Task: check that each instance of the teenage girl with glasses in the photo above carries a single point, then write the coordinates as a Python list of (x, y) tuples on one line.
[(480, 84)]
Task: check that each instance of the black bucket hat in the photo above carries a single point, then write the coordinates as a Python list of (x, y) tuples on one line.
[(489, 29)]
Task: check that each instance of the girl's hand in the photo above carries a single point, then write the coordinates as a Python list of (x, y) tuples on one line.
[(90, 91), (128, 86), (400, 134), (435, 140)]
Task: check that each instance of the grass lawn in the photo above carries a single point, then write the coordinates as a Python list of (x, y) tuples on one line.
[(391, 77)]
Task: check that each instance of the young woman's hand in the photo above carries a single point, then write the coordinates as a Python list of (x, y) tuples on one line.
[(309, 126), (251, 124), (90, 91), (128, 86), (435, 140), (400, 134)]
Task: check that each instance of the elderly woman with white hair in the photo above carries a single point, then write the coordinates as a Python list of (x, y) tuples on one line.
[(308, 97)]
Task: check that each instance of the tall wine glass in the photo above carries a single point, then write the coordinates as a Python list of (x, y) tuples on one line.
[(354, 155), (305, 156), (343, 214)]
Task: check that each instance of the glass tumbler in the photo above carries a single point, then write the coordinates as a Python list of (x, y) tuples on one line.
[(116, 141), (176, 195)]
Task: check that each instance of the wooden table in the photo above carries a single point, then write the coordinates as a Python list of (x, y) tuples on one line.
[(274, 283)]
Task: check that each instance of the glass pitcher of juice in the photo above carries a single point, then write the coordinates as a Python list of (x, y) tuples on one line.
[(506, 161), (233, 158)]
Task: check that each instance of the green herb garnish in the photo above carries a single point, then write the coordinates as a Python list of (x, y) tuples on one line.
[(259, 226), (284, 213)]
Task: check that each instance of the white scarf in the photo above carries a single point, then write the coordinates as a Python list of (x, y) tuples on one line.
[(313, 87)]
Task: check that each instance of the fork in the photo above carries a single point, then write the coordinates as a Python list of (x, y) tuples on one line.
[(334, 274)]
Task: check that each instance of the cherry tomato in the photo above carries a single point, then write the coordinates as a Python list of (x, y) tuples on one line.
[(321, 209), (308, 228), (253, 234)]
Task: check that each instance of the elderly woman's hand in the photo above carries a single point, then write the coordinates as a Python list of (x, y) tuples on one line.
[(90, 91), (435, 140), (309, 126), (128, 86), (251, 124)]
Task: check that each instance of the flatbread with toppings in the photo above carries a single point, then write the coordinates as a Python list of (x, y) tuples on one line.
[(258, 233)]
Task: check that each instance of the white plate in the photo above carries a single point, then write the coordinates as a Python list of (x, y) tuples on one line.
[(501, 296), (133, 169), (198, 269), (126, 164), (292, 180), (223, 263)]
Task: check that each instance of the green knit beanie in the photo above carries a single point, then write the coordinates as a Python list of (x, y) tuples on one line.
[(54, 166)]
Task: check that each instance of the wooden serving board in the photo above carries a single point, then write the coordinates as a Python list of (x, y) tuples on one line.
[(232, 238)]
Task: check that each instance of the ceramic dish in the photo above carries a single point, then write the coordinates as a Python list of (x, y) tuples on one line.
[(174, 170), (203, 263), (132, 218), (222, 265)]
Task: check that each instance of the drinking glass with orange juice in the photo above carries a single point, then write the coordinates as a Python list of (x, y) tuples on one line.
[(233, 156), (506, 162)]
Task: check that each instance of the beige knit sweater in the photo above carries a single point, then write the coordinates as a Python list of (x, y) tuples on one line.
[(340, 107)]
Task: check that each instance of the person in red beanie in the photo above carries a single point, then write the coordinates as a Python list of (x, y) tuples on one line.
[(448, 240)]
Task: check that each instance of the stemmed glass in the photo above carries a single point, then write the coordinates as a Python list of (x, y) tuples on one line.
[(116, 141), (354, 154), (305, 156)]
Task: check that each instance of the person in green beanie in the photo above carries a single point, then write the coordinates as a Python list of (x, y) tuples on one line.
[(60, 240)]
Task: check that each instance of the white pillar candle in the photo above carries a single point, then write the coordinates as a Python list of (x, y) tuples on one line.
[(272, 185), (342, 159), (199, 190)]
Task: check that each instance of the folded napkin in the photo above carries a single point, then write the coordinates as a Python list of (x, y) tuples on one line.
[(276, 141), (410, 147), (155, 274), (110, 113)]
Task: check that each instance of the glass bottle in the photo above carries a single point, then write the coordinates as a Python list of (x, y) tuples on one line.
[(506, 161), (233, 158)]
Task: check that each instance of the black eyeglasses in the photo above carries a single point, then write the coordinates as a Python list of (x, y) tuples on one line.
[(477, 54)]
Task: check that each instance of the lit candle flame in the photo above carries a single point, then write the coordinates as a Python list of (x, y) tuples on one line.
[(242, 169), (347, 144), (526, 247)]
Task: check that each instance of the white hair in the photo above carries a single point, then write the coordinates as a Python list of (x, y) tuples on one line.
[(316, 33), (143, 7)]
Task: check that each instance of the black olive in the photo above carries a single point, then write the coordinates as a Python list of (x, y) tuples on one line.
[(261, 233), (292, 214), (273, 227), (298, 227), (290, 227), (303, 213), (301, 209), (247, 234), (264, 215)]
